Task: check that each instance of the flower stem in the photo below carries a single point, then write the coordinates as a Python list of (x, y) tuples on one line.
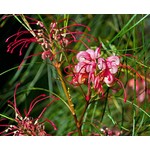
[(71, 105)]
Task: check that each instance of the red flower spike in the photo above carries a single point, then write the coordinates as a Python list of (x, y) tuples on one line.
[(58, 34)]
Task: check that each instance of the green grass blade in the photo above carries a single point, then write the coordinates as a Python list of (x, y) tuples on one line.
[(4, 116), (135, 24), (37, 76), (125, 26), (17, 74)]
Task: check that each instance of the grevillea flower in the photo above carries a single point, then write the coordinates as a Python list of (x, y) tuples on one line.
[(57, 36), (98, 69), (95, 71), (26, 125)]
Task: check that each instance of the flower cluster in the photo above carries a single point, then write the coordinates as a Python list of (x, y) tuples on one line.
[(57, 36), (28, 126), (92, 68)]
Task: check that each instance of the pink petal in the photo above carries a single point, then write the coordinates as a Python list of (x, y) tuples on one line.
[(80, 67), (101, 64), (113, 69), (91, 53), (81, 78), (82, 56), (109, 79), (91, 67), (97, 53), (113, 63), (114, 60)]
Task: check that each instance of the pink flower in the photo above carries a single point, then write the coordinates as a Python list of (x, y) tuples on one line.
[(26, 125), (94, 70), (113, 63), (109, 67), (86, 66), (87, 61), (88, 55)]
